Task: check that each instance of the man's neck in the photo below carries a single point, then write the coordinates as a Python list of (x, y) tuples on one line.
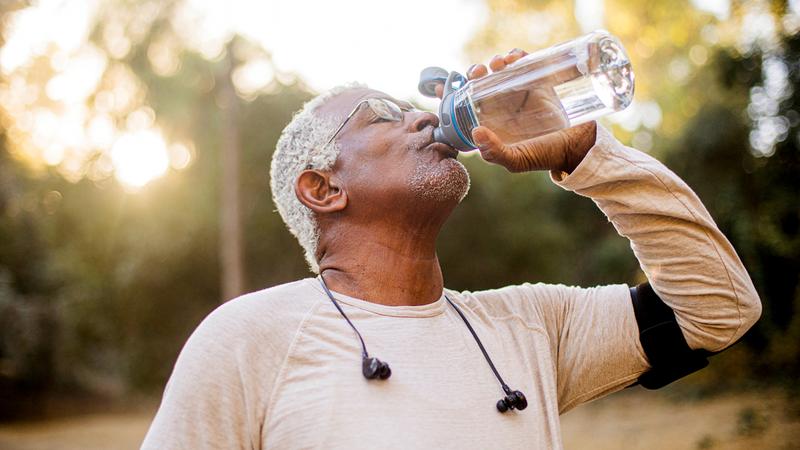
[(390, 271)]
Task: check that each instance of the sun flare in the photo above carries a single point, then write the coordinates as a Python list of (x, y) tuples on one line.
[(139, 157)]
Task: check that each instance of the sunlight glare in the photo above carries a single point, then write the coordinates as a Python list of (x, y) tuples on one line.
[(720, 8), (589, 14), (181, 155), (252, 76), (65, 24), (80, 76), (53, 154), (101, 131), (139, 157)]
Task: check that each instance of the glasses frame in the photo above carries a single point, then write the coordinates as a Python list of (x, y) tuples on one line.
[(368, 101)]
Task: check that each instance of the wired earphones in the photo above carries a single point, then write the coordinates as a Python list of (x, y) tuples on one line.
[(373, 368)]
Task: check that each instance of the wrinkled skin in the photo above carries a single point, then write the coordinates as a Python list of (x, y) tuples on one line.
[(382, 205)]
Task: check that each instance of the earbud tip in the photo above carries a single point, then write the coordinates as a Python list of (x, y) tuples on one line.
[(521, 402), (385, 372), (502, 406)]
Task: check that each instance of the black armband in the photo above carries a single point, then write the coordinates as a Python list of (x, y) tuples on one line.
[(669, 355)]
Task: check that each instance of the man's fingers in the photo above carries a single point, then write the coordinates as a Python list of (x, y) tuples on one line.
[(491, 147), (439, 89), (514, 55), (477, 71), (497, 63)]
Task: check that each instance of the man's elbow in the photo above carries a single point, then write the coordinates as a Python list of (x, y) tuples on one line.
[(749, 306), (750, 311), (717, 333)]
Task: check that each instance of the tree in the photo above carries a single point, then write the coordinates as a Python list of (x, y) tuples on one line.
[(128, 274)]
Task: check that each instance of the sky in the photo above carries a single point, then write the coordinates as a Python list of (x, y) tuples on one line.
[(382, 44), (327, 43)]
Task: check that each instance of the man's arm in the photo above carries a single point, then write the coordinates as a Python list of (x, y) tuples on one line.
[(688, 261), (691, 266)]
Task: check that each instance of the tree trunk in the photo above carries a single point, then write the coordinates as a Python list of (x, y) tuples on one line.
[(231, 249)]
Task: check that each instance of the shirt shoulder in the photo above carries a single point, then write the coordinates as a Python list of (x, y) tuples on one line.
[(281, 300), (221, 384), (270, 313), (258, 326), (526, 299)]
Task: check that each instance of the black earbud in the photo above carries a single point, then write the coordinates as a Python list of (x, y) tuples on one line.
[(373, 368), (514, 400)]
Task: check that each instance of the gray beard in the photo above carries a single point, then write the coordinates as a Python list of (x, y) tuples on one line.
[(448, 180)]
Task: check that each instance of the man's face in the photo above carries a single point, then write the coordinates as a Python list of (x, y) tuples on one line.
[(387, 163)]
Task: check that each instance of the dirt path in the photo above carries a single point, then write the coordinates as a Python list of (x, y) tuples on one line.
[(92, 432), (646, 420), (629, 420)]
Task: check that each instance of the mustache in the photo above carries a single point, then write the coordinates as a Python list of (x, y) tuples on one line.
[(422, 139)]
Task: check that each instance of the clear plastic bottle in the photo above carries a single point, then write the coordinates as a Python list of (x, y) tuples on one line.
[(545, 91)]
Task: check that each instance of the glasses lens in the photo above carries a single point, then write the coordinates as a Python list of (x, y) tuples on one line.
[(385, 109)]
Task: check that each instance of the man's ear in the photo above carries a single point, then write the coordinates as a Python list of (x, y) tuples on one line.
[(320, 191)]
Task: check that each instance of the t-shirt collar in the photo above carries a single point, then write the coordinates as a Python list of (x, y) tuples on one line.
[(428, 310)]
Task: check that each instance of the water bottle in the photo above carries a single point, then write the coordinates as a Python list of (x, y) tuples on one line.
[(548, 90)]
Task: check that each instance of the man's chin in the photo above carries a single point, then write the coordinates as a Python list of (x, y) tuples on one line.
[(445, 182)]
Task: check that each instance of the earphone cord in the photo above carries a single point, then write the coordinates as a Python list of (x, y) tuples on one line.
[(336, 304), (364, 353), (485, 355)]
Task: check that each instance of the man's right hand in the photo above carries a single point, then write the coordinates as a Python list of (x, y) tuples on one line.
[(561, 150)]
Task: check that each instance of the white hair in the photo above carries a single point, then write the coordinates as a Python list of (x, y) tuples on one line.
[(300, 147)]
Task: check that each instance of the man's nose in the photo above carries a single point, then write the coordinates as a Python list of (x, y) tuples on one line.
[(422, 120)]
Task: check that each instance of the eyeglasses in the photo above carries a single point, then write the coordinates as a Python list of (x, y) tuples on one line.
[(381, 107)]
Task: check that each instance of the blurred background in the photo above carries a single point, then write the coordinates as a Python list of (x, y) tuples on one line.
[(135, 140)]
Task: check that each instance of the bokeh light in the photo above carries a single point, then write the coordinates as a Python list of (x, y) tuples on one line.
[(139, 157)]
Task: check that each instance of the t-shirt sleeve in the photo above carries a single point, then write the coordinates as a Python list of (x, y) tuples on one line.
[(213, 398)]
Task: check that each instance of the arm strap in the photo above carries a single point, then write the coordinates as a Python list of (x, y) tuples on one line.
[(666, 349)]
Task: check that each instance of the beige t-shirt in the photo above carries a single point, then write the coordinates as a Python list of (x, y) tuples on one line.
[(281, 369)]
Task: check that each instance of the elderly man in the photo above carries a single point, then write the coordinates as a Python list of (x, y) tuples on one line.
[(375, 353)]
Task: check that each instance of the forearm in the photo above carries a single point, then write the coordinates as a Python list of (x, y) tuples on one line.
[(688, 261)]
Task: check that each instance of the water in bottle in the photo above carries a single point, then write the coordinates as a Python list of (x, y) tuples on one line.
[(548, 90)]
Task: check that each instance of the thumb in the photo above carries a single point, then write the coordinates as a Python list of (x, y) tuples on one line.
[(491, 147)]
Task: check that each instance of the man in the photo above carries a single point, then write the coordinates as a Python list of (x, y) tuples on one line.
[(366, 192)]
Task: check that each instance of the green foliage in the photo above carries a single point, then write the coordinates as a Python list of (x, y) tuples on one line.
[(751, 422), (755, 200), (100, 287), (522, 228)]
